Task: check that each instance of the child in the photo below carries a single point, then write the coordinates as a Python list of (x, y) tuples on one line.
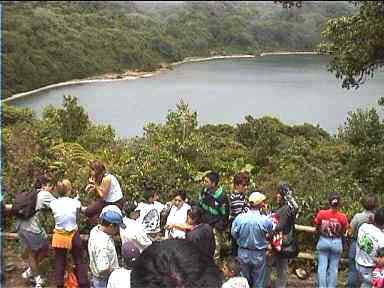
[(231, 270), (378, 272), (66, 236)]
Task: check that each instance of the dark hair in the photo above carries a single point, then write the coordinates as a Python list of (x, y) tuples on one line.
[(175, 263), (380, 252), (369, 202), (334, 199), (214, 177), (241, 178), (41, 181), (99, 168), (233, 264), (181, 193), (196, 214), (149, 192), (379, 217)]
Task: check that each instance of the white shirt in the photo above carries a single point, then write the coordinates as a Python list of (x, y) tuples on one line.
[(236, 282), (369, 240), (65, 211), (102, 252), (120, 278), (149, 216), (114, 193), (134, 232), (177, 216)]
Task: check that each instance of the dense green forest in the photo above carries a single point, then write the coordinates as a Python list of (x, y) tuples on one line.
[(177, 153), (50, 42)]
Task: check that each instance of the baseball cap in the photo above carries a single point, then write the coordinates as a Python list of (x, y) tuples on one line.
[(256, 198), (130, 252), (112, 214)]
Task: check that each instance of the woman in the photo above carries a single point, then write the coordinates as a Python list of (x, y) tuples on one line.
[(285, 213), (331, 224), (66, 236), (106, 187), (177, 215)]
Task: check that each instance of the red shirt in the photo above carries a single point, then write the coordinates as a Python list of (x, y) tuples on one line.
[(332, 223)]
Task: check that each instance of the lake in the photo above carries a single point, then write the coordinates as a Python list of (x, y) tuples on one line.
[(294, 88)]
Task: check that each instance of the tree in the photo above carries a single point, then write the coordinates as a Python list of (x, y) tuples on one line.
[(356, 44)]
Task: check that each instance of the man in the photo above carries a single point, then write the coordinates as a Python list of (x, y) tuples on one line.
[(250, 231), (101, 248), (370, 240), (214, 203), (31, 231)]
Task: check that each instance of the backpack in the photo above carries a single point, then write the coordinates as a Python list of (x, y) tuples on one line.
[(25, 204)]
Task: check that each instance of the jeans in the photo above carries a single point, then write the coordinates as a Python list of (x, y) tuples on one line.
[(330, 250), (99, 282), (365, 275), (253, 264), (81, 268), (94, 209), (353, 275), (281, 266)]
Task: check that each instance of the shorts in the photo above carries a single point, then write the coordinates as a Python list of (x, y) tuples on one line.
[(34, 241)]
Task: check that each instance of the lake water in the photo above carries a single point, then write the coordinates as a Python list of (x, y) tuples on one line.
[(294, 88)]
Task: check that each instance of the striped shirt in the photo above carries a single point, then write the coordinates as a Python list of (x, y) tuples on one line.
[(237, 204)]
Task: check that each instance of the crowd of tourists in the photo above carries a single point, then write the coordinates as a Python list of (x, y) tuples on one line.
[(182, 243)]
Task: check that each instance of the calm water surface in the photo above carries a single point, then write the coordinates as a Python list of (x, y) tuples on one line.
[(294, 88)]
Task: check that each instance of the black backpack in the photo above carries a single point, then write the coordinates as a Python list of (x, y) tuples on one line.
[(25, 204)]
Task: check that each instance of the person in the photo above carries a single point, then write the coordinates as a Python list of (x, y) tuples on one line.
[(200, 233), (32, 234), (107, 188), (378, 271), (66, 236), (150, 214), (369, 203), (177, 215), (122, 277), (237, 203), (231, 270), (251, 231), (370, 239), (214, 203), (331, 224), (175, 263), (285, 214), (101, 248), (134, 232)]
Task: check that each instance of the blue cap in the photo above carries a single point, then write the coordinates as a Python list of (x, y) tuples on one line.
[(112, 216)]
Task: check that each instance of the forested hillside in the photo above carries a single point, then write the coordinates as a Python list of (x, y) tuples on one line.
[(50, 42)]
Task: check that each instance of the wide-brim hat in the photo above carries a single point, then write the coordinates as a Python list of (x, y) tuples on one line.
[(256, 198)]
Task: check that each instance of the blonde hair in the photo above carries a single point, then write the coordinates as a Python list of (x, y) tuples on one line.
[(64, 187)]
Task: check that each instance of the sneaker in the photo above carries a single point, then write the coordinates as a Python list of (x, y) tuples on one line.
[(39, 281), (27, 273)]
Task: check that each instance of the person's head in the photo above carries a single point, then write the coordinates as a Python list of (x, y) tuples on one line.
[(241, 182), (42, 182), (231, 267), (211, 180), (111, 219), (179, 198), (175, 263), (282, 190), (130, 252), (149, 194), (64, 188), (369, 202), (379, 218), (97, 170), (194, 215), (334, 200), (257, 200), (380, 258)]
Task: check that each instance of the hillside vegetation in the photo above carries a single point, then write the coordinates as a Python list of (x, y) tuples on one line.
[(50, 42)]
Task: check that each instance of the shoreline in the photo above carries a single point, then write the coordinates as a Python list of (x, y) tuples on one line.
[(133, 75)]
